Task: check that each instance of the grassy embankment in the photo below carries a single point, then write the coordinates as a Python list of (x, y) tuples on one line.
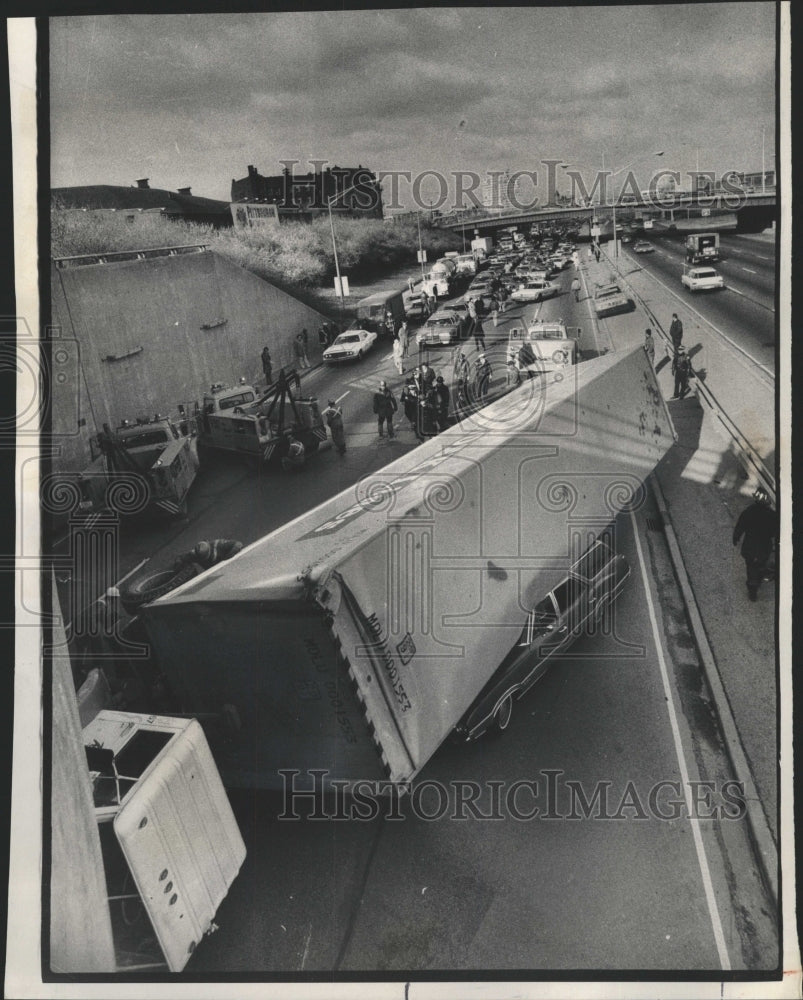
[(294, 256)]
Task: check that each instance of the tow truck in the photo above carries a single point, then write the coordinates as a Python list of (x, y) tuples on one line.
[(544, 346), (155, 450), (255, 425)]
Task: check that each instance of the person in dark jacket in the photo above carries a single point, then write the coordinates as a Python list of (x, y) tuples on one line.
[(442, 398), (333, 415), (676, 332), (427, 376), (482, 376), (759, 527), (682, 369), (385, 406), (428, 414), (409, 399)]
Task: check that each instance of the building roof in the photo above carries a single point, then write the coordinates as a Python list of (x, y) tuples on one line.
[(94, 196)]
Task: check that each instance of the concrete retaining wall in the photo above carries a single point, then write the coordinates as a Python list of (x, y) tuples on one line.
[(175, 324)]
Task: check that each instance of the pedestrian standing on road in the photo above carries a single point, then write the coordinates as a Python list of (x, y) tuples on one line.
[(385, 406), (305, 341), (298, 348), (333, 415), (428, 413), (649, 346), (267, 365), (494, 308), (323, 338), (432, 300), (479, 333), (512, 373), (390, 324), (427, 376), (576, 260), (597, 253), (404, 335), (409, 400), (682, 373), (462, 369), (482, 376), (576, 289), (758, 524), (398, 355), (411, 285), (676, 332), (443, 397), (502, 296)]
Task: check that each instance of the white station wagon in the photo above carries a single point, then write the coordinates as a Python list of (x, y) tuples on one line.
[(701, 279)]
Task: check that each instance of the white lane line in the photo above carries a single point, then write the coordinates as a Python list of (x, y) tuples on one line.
[(744, 295), (702, 860), (748, 269), (343, 396)]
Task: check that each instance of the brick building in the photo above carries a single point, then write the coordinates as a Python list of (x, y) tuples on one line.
[(304, 196)]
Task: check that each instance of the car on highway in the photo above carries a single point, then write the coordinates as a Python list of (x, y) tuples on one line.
[(701, 279), (642, 246), (610, 299), (535, 290), (571, 608), (443, 327), (351, 344)]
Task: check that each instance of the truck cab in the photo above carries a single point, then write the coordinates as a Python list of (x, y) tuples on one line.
[(543, 348), (236, 419)]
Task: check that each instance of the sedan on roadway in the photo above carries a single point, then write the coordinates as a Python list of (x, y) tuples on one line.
[(592, 585), (535, 290), (701, 279), (443, 327), (349, 345), (642, 246), (610, 299)]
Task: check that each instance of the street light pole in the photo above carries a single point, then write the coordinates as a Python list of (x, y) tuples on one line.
[(329, 202), (763, 172), (420, 251), (613, 202)]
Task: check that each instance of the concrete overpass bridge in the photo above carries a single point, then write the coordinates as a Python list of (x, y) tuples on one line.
[(753, 213)]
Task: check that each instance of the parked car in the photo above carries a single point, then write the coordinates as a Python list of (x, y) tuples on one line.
[(353, 343), (610, 299), (443, 327), (701, 279), (642, 246), (535, 290), (588, 591)]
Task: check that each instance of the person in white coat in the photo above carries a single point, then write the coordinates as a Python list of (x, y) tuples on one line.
[(398, 355)]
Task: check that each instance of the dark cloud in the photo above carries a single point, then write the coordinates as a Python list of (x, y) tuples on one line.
[(197, 97)]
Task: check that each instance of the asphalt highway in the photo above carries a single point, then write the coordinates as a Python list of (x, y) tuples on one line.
[(745, 309), (629, 862)]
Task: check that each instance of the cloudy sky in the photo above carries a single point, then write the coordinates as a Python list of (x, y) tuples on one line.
[(193, 99)]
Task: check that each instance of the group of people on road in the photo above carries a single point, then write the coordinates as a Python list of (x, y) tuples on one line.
[(425, 398), (681, 362)]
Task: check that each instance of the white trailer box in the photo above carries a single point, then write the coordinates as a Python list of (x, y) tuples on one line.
[(354, 638), (156, 785)]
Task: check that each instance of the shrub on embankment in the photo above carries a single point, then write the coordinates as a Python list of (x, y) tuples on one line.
[(295, 256)]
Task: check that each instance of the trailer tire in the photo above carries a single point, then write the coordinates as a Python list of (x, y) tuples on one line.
[(149, 586)]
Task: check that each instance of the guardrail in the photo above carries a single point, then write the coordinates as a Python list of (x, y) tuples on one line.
[(115, 256), (751, 461)]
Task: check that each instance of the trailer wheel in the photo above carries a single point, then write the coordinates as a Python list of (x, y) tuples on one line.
[(503, 714), (149, 586)]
